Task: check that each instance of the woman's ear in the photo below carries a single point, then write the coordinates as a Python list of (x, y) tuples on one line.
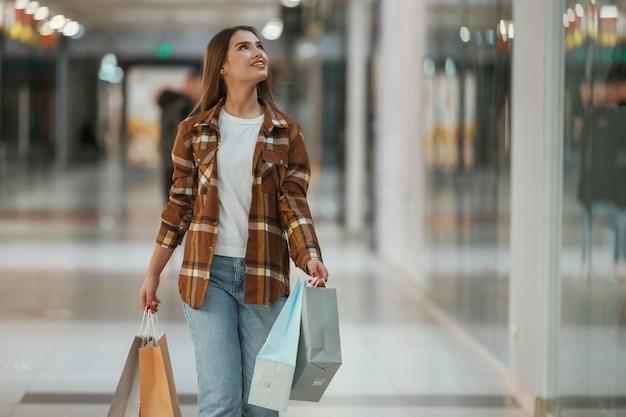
[(222, 71)]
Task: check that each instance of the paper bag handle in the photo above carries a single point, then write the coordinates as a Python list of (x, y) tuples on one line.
[(149, 327)]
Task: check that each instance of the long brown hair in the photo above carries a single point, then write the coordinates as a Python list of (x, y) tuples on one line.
[(213, 86)]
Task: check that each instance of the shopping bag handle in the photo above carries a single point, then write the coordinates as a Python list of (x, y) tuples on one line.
[(143, 322), (149, 327), (313, 283)]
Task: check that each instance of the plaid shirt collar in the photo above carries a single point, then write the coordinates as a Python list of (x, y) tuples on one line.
[(272, 119)]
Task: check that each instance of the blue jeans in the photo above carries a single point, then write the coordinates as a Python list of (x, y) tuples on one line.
[(227, 335)]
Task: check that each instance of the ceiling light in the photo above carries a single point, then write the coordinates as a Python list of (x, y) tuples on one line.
[(464, 33), (490, 36), (290, 3), (20, 4), (45, 29), (273, 29), (609, 12), (109, 60), (42, 13), (57, 22), (80, 33), (580, 11), (109, 70), (71, 28), (502, 27), (32, 7)]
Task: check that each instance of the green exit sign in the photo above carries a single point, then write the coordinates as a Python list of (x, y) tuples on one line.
[(164, 50)]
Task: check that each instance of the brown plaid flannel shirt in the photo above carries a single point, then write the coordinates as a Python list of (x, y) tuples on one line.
[(279, 211)]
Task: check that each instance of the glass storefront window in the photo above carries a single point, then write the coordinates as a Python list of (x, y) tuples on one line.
[(592, 347), (467, 155)]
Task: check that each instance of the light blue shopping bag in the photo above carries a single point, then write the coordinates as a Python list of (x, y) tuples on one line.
[(276, 361)]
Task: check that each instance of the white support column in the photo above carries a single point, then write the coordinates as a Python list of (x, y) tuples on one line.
[(536, 200), (356, 114), (399, 167)]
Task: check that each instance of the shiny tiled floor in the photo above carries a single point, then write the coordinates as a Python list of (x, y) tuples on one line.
[(73, 249)]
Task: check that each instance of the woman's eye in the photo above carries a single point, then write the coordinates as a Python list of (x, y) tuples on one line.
[(260, 46)]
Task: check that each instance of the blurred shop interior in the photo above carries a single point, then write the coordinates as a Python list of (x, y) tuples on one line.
[(79, 85)]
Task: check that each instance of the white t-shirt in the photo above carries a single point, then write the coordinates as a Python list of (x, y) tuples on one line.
[(238, 139)]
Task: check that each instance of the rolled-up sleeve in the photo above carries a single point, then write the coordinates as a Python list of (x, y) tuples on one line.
[(294, 208)]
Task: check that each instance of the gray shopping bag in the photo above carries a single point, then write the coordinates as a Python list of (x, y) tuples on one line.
[(319, 348), (126, 398)]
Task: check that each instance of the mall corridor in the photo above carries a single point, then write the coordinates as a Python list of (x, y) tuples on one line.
[(74, 246), (467, 168)]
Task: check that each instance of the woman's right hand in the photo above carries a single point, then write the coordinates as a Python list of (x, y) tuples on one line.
[(147, 295)]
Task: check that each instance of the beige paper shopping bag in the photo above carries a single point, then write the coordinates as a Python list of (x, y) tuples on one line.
[(157, 390)]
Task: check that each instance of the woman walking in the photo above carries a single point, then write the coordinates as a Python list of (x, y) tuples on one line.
[(241, 175)]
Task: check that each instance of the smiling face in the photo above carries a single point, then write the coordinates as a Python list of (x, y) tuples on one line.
[(246, 60)]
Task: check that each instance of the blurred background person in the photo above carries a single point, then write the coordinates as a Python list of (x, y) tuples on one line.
[(603, 158), (175, 107)]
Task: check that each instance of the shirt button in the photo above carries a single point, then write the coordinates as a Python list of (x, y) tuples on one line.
[(214, 222), (280, 162), (210, 248)]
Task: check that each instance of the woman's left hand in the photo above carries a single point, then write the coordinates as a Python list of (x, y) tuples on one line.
[(318, 272)]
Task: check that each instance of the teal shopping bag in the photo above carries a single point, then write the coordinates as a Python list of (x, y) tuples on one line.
[(276, 361)]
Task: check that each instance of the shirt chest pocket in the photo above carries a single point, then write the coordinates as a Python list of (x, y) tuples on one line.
[(205, 163), (274, 170)]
